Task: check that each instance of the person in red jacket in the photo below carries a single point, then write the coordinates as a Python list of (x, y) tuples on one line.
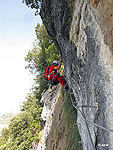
[(54, 77)]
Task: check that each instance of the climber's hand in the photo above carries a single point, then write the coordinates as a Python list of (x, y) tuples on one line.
[(60, 60)]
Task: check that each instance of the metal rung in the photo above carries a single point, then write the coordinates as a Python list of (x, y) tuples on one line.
[(77, 123), (80, 142), (71, 93), (87, 106)]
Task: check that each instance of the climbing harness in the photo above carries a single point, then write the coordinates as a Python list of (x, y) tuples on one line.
[(51, 73)]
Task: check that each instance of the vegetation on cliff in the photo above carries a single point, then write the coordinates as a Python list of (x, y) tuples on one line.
[(63, 133), (73, 138)]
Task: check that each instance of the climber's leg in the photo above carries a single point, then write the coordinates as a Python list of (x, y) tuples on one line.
[(58, 78)]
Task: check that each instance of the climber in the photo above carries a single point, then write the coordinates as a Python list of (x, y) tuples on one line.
[(53, 77)]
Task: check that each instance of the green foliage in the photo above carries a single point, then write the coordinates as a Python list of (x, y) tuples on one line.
[(33, 60), (52, 53), (20, 131), (25, 127), (34, 4), (5, 136), (42, 36), (36, 57), (42, 54)]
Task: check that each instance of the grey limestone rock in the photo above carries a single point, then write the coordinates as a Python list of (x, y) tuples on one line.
[(78, 29)]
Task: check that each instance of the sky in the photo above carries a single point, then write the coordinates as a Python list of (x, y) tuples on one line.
[(17, 34)]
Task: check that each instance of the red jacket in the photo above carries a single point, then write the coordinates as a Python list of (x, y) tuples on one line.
[(52, 72)]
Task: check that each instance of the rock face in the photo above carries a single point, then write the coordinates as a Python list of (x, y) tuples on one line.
[(49, 99), (83, 32), (60, 130)]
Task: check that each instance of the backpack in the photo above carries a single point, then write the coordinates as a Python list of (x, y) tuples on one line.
[(46, 73)]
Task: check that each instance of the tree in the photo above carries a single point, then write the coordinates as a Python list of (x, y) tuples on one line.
[(36, 57), (52, 54), (25, 127), (42, 54), (42, 36), (5, 136), (34, 4)]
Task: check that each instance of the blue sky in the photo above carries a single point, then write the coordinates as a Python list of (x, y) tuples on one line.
[(17, 33)]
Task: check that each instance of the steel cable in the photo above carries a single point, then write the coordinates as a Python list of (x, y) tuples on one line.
[(96, 125)]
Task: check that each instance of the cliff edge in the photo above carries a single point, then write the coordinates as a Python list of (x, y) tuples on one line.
[(83, 32), (60, 130)]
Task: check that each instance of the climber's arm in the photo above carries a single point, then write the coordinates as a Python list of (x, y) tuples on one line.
[(58, 67)]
